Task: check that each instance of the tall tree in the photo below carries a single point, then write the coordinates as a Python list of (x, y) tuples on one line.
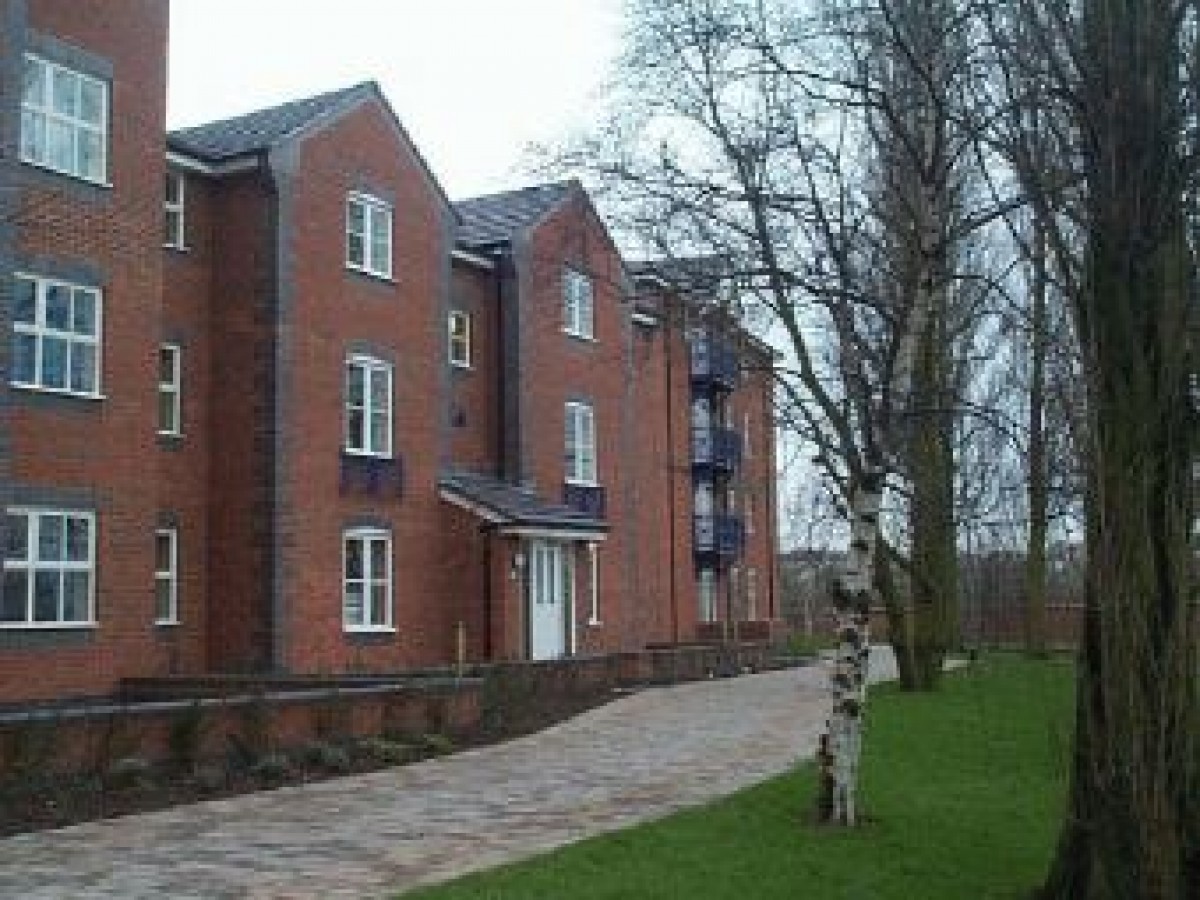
[(1124, 72)]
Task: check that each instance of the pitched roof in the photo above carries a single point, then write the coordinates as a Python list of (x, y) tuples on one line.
[(263, 128), (495, 218), (514, 505)]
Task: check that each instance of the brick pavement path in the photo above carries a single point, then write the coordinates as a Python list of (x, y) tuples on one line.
[(637, 758)]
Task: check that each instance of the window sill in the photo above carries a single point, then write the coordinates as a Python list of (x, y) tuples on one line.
[(575, 482), (55, 392), (170, 435), (367, 454), (47, 626), (381, 277), (103, 184), (580, 336), (360, 630), (177, 248), (166, 623), (461, 366), (594, 623)]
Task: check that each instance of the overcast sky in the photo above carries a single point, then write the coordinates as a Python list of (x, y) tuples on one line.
[(473, 81)]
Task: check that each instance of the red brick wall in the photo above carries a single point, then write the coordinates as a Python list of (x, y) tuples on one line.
[(103, 447), (557, 367), (329, 312), (239, 488), (474, 393)]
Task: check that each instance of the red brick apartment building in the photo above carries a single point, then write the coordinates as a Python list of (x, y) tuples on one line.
[(271, 402)]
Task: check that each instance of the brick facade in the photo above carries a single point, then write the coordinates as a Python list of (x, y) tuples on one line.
[(266, 314)]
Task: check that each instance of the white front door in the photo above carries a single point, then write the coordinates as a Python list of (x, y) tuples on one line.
[(551, 593)]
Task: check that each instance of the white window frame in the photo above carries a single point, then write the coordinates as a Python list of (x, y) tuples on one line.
[(41, 332), (172, 389), (40, 113), (752, 595), (371, 367), (579, 459), (459, 345), (579, 304), (366, 536), (31, 564), (706, 594), (371, 208), (748, 512), (175, 212), (168, 576)]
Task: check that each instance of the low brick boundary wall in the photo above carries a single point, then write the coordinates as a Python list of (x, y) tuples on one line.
[(206, 717)]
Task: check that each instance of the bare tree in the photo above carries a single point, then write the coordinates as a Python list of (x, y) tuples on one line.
[(1123, 75)]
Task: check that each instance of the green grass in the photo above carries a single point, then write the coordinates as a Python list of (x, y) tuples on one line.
[(963, 790)]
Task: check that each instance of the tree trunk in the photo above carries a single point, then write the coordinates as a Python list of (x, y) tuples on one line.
[(934, 573), (841, 744), (1035, 555), (899, 619), (1131, 831)]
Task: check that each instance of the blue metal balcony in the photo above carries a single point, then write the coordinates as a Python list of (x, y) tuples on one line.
[(714, 363), (588, 499), (719, 536), (716, 448)]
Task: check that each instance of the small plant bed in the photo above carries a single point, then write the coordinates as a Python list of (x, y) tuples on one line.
[(963, 789), (32, 800)]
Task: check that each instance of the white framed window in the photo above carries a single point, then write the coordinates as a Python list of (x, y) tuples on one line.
[(706, 590), (166, 576), (369, 235), (368, 406), (56, 336), (174, 204), (752, 595), (49, 569), (749, 513), (578, 304), (367, 580), (64, 120), (170, 386), (460, 339), (580, 443)]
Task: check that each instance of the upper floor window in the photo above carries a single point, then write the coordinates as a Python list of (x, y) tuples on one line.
[(173, 211), (368, 406), (170, 418), (64, 120), (166, 576), (49, 567), (460, 339), (578, 305), (367, 580), (580, 443), (56, 336), (369, 235)]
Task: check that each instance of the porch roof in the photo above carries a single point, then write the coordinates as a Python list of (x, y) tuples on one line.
[(516, 508)]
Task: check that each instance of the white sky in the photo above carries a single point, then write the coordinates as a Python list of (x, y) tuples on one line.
[(473, 81)]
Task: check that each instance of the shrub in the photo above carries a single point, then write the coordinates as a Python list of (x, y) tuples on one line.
[(327, 756)]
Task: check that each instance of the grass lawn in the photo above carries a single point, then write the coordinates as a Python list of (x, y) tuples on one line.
[(963, 790)]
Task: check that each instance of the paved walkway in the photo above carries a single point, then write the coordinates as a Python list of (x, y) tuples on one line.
[(370, 835)]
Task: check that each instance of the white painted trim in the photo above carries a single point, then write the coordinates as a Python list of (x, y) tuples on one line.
[(594, 572), (365, 534), (29, 564), (644, 319), (477, 509), (473, 259), (244, 163), (551, 532)]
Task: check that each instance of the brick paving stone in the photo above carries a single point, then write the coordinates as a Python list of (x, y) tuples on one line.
[(373, 835)]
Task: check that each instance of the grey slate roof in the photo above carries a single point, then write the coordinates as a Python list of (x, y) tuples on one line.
[(514, 504), (258, 130), (495, 218)]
